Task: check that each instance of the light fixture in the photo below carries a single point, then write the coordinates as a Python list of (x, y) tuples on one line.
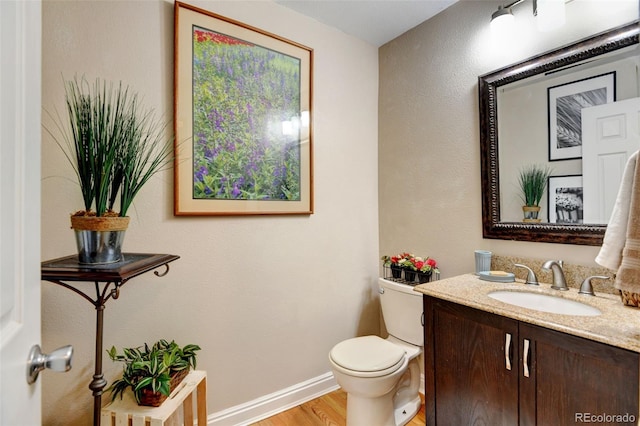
[(550, 14), (502, 19)]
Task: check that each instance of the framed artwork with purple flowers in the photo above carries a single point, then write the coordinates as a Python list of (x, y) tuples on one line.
[(242, 118)]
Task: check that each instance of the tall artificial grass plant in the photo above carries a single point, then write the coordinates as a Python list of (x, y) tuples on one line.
[(113, 143)]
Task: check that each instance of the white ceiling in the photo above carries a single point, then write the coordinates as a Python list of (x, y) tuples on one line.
[(375, 22)]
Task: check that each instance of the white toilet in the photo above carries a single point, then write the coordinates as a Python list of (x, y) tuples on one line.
[(382, 376)]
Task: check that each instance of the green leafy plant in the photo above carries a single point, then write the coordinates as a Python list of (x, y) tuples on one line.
[(151, 367), (113, 143), (533, 181)]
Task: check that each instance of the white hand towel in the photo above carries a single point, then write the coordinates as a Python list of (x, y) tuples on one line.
[(610, 255), (628, 275)]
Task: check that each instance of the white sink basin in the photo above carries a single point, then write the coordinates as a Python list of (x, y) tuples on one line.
[(544, 303)]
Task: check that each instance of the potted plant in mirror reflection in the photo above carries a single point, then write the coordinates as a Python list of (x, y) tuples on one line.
[(533, 182), (115, 146)]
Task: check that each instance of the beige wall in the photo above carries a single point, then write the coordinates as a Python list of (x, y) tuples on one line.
[(429, 143), (265, 297)]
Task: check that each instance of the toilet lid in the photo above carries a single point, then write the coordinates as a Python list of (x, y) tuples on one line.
[(367, 354)]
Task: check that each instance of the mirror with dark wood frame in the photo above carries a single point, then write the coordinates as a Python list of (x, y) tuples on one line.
[(589, 49)]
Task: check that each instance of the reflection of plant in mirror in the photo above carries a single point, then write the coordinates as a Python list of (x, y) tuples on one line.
[(533, 181)]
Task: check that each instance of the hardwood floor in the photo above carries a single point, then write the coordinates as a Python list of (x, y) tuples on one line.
[(328, 410)]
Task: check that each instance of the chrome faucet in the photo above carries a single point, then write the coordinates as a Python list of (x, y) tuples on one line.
[(587, 288), (531, 276), (559, 282)]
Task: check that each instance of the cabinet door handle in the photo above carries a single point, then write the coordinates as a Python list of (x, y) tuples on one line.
[(507, 351), (525, 359)]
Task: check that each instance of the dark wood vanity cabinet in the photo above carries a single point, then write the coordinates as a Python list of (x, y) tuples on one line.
[(571, 378), (466, 378), (482, 368)]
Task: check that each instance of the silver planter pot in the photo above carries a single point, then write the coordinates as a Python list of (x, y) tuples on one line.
[(99, 247), (99, 239)]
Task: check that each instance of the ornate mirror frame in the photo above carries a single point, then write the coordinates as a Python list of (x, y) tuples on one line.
[(488, 84)]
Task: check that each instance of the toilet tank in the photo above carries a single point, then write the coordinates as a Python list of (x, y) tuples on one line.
[(402, 311)]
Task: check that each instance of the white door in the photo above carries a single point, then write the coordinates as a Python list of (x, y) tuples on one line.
[(20, 29), (610, 134)]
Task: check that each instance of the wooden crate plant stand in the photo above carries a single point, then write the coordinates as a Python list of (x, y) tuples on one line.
[(126, 412)]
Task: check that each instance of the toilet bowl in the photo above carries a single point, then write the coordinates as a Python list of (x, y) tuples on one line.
[(382, 376)]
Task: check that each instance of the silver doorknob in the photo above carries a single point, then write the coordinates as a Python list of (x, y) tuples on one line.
[(58, 360)]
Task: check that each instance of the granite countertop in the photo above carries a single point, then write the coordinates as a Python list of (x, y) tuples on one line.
[(618, 325)]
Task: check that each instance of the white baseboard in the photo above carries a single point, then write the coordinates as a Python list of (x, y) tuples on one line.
[(277, 402)]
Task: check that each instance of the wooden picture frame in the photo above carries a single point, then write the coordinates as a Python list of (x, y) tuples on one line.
[(565, 103), (566, 199), (242, 119)]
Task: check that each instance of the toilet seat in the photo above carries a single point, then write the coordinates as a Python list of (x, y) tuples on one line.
[(368, 356)]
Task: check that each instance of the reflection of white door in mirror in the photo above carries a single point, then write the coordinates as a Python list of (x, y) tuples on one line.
[(610, 135)]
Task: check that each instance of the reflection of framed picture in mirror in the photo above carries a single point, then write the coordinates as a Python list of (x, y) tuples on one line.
[(565, 103), (565, 199)]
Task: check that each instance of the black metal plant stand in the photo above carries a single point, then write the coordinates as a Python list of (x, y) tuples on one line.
[(111, 277)]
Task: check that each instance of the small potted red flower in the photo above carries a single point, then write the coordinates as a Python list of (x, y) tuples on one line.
[(396, 263), (409, 267), (425, 268)]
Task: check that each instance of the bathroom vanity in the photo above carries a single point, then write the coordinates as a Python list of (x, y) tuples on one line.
[(492, 362)]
